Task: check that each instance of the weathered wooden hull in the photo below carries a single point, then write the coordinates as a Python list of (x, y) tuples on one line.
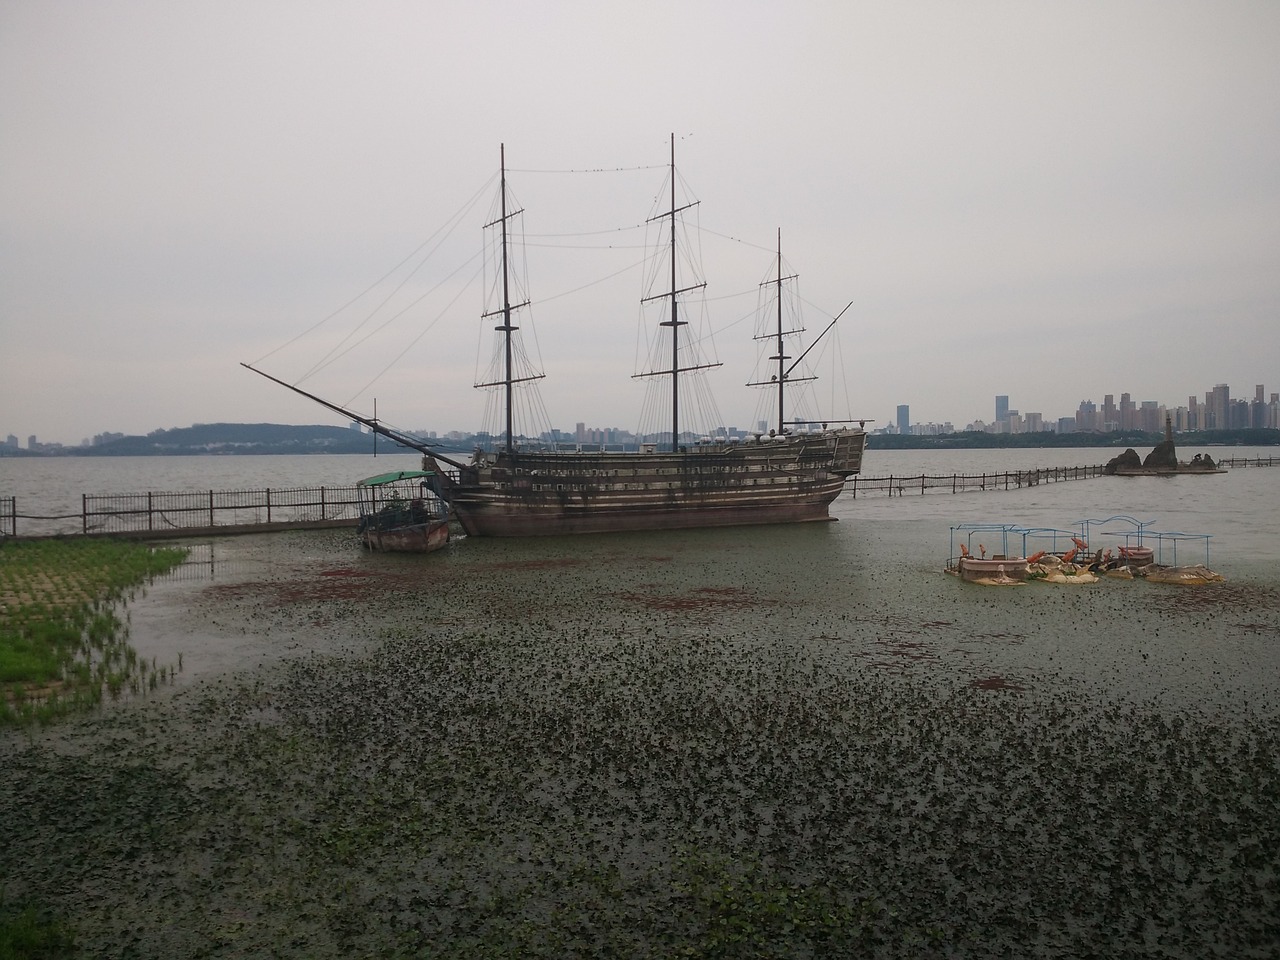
[(548, 494), (414, 538)]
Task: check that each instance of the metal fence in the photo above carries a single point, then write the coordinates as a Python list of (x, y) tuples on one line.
[(193, 511), (1249, 462), (965, 482)]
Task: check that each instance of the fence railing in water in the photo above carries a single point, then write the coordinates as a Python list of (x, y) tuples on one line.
[(963, 482), (190, 513), (1249, 462), (185, 512)]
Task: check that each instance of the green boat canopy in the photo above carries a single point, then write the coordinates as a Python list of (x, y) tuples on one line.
[(385, 478)]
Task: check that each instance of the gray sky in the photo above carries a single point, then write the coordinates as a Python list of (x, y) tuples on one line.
[(1050, 201)]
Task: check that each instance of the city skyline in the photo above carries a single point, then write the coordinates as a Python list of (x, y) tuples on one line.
[(1217, 410)]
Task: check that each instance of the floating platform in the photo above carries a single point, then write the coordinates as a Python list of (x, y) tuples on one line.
[(1119, 546)]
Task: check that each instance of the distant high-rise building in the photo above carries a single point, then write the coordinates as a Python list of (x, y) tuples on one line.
[(1218, 401), (904, 418), (1150, 417), (1002, 409), (1087, 418), (1110, 415), (1128, 418)]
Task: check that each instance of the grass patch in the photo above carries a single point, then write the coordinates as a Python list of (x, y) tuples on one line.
[(63, 639), (28, 934)]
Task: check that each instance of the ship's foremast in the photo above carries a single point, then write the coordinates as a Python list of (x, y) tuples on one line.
[(507, 328)]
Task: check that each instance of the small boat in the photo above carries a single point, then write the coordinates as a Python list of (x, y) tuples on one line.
[(1136, 556), (1000, 569), (996, 570), (403, 512)]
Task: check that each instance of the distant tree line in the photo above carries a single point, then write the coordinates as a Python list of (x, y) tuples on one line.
[(229, 438)]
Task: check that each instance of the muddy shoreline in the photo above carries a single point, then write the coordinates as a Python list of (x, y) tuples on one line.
[(635, 746)]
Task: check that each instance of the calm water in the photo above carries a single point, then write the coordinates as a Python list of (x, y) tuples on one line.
[(1240, 509)]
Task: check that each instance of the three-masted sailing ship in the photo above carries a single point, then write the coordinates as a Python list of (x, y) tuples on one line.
[(786, 475)]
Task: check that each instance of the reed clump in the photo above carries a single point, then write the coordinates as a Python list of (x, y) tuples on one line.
[(64, 632)]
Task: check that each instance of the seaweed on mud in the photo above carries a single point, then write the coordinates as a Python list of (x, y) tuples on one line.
[(536, 766)]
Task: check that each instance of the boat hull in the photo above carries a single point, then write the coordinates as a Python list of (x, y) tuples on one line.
[(791, 480), (414, 538), (1137, 556), (974, 568)]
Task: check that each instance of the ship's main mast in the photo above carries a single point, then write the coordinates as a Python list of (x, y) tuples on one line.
[(674, 322)]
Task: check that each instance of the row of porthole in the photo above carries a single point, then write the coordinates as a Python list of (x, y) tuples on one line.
[(697, 471), (585, 488)]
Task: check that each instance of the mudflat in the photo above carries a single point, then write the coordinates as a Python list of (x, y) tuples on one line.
[(720, 743)]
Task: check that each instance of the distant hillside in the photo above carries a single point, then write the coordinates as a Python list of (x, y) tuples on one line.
[(239, 438)]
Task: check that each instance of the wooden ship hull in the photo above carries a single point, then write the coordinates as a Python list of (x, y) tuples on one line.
[(789, 480)]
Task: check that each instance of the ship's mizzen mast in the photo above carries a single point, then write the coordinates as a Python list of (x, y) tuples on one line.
[(781, 356), (674, 322), (779, 335)]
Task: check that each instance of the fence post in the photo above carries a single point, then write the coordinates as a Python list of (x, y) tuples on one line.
[(211, 508), (268, 504), (922, 484), (891, 484), (322, 503), (953, 483), (84, 513)]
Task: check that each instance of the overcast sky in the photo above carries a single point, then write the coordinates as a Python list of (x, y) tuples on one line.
[(1050, 201)]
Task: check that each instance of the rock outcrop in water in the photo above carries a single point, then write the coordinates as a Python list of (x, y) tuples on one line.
[(1129, 460), (1163, 457), (1162, 460)]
